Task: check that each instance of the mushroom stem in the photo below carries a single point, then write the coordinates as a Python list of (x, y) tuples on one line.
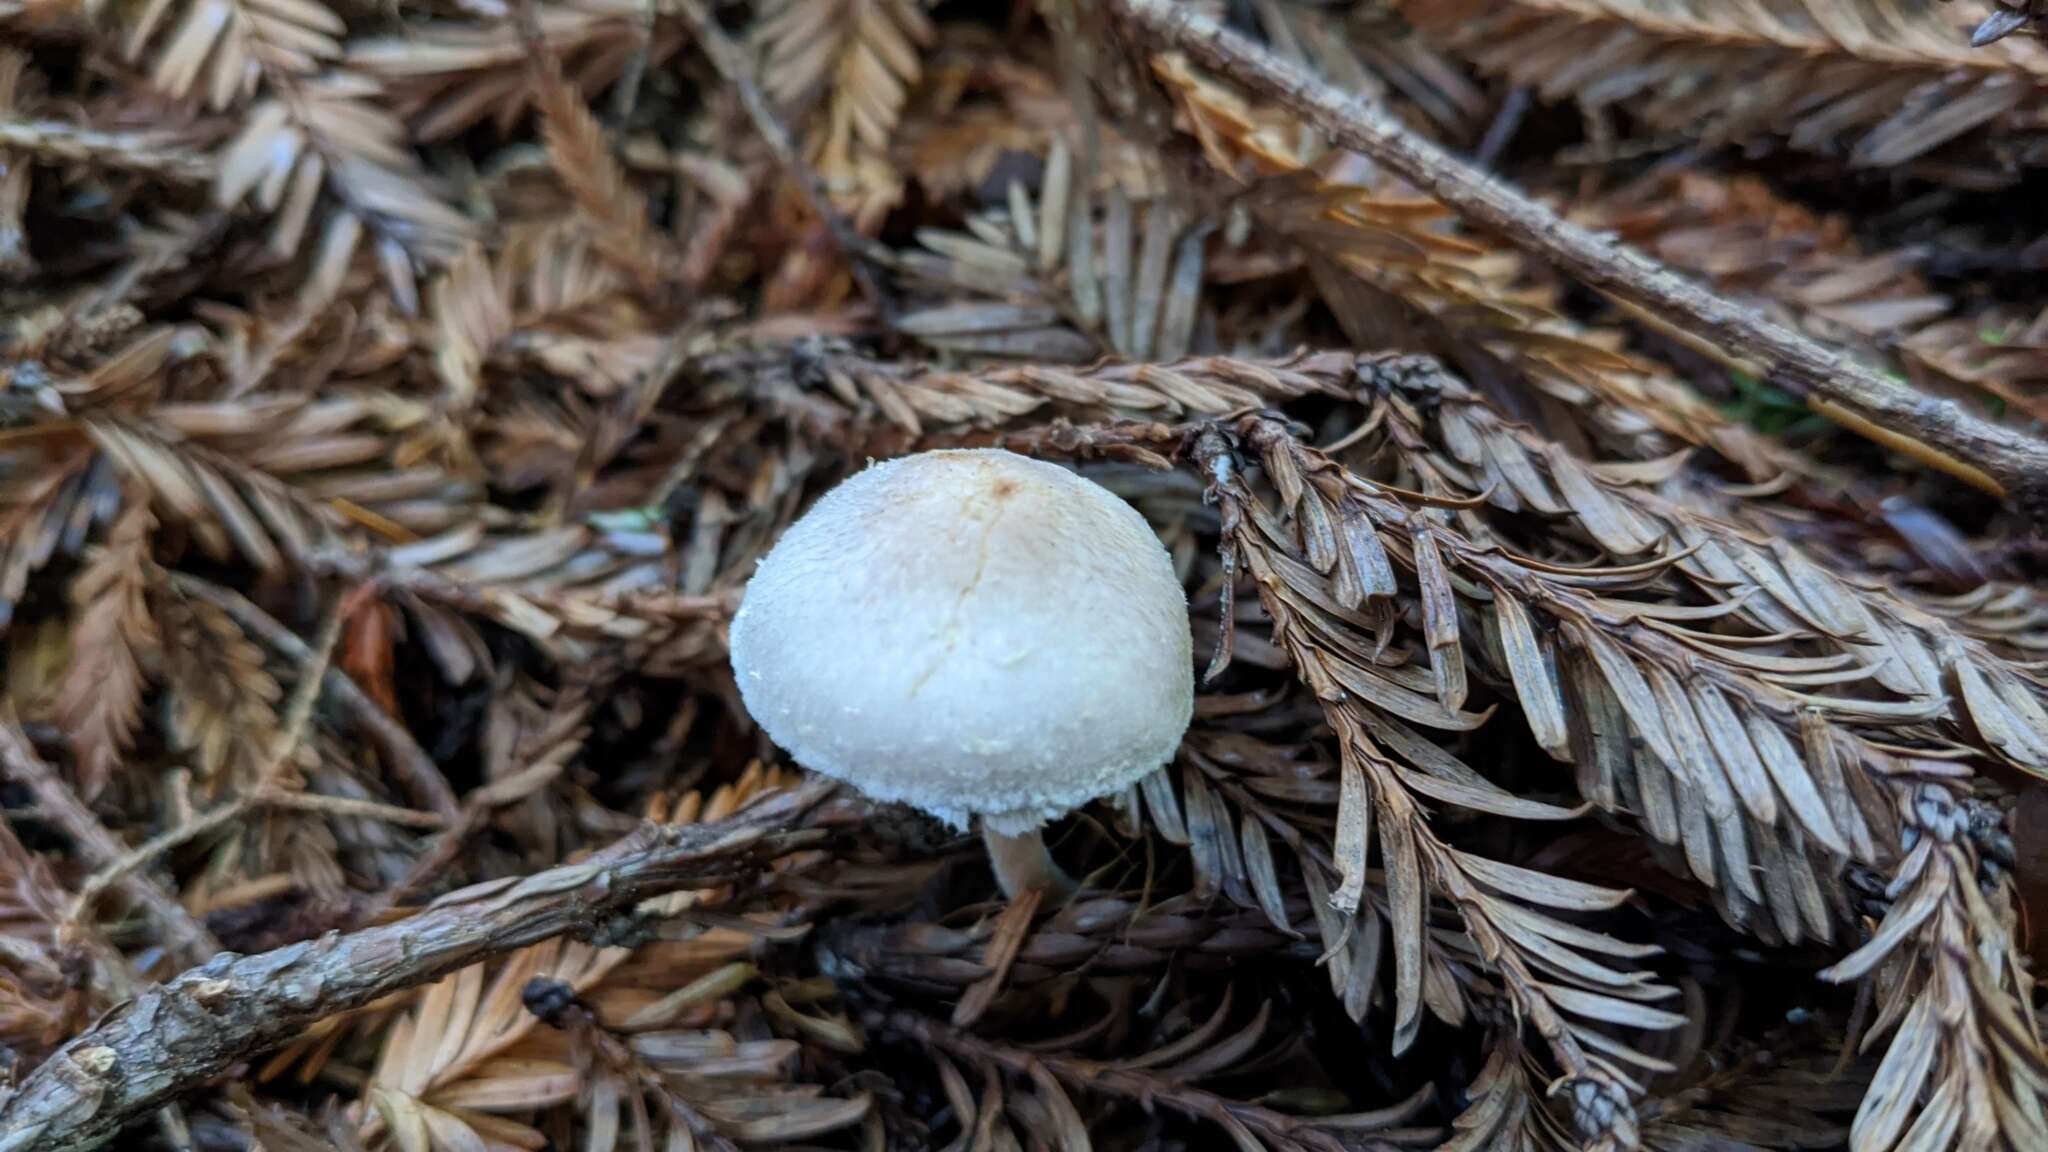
[(1022, 863)]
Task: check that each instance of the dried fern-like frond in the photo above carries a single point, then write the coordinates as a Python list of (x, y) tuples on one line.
[(470, 1056), (474, 302), (48, 494), (15, 260), (448, 1065), (40, 1003), (1038, 1091), (1939, 672), (837, 391), (338, 465), (309, 131), (444, 77), (582, 157), (268, 478), (1746, 239), (1947, 920), (565, 588), (221, 50), (1881, 84), (1965, 1067), (330, 135), (1564, 980), (1060, 285), (861, 58), (222, 702), (99, 700), (549, 306), (230, 507), (1396, 269), (1736, 692)]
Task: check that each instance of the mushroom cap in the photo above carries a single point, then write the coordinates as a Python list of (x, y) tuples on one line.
[(971, 633)]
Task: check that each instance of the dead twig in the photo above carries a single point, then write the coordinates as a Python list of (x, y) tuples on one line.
[(2008, 463), (122, 868), (186, 1032), (434, 860), (736, 69), (408, 760), (351, 807), (263, 791)]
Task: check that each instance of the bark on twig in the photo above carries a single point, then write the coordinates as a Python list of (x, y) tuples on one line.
[(185, 937), (408, 760), (180, 1035), (2006, 462)]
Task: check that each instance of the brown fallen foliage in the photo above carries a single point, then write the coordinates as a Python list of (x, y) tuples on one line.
[(1601, 441)]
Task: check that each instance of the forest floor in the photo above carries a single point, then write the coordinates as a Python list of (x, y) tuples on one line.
[(1601, 441)]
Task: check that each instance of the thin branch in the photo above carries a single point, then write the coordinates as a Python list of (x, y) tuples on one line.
[(408, 760), (435, 858), (185, 936), (182, 1034), (298, 717), (122, 869), (562, 738), (2008, 463), (350, 806), (737, 69)]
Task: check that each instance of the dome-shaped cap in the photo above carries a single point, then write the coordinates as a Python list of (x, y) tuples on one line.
[(972, 633)]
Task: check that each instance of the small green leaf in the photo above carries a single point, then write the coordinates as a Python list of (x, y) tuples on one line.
[(643, 519)]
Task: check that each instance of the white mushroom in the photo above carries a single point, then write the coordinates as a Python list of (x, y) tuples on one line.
[(974, 633)]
